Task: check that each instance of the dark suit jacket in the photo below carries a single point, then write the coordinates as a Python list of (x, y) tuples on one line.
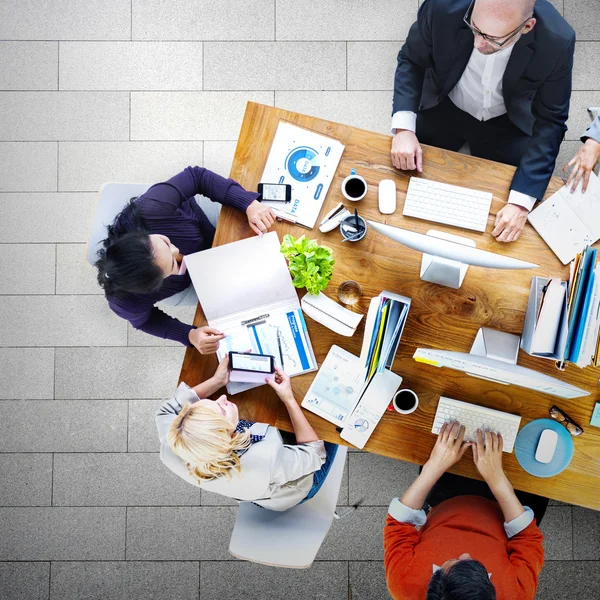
[(536, 84)]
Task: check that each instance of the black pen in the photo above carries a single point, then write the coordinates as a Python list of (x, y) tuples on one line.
[(279, 344), (356, 219)]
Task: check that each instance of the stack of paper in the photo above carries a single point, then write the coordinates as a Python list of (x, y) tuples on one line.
[(563, 317), (340, 395)]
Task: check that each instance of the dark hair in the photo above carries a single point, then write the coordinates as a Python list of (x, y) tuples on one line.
[(464, 580), (126, 262)]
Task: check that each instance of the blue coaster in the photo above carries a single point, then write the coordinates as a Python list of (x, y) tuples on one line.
[(526, 445)]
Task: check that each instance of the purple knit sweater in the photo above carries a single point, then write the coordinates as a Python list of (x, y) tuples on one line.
[(169, 208)]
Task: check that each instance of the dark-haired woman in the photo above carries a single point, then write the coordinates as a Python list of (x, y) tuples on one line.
[(140, 263)]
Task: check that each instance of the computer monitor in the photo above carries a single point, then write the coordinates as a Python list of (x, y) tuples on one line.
[(446, 257), (498, 371)]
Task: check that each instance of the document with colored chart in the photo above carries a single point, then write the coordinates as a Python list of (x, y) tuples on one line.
[(307, 161)]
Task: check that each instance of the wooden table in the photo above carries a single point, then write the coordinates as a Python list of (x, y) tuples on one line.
[(439, 317)]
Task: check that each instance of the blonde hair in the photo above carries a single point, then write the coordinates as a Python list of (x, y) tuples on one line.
[(203, 440)]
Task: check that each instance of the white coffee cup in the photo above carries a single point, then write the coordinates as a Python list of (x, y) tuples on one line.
[(350, 183), (401, 399)]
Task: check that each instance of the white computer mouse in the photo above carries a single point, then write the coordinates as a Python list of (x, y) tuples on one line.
[(387, 196), (546, 446)]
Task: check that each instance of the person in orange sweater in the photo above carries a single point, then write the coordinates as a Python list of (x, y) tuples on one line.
[(475, 543)]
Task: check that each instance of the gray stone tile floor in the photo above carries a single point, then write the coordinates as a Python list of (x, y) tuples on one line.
[(135, 90)]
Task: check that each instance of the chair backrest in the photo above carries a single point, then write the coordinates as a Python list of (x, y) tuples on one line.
[(111, 199), (291, 538)]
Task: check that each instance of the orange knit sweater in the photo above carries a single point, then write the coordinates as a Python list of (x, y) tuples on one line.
[(463, 524)]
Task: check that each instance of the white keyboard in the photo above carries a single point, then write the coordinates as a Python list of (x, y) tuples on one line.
[(447, 204), (475, 417)]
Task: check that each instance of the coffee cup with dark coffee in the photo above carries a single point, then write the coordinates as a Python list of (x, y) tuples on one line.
[(354, 187), (405, 402)]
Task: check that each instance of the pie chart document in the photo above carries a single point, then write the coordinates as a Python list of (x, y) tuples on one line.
[(307, 161)]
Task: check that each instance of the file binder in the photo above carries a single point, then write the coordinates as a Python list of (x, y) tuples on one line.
[(577, 330), (536, 295), (385, 323), (246, 292)]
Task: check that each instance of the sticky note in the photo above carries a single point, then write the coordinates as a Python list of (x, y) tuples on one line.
[(595, 420)]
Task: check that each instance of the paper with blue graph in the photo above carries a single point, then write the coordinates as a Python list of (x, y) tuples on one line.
[(282, 335)]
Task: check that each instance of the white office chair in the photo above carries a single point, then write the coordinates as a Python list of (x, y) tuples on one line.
[(111, 200), (291, 538)]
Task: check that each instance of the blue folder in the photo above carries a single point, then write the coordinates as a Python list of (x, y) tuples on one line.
[(581, 306)]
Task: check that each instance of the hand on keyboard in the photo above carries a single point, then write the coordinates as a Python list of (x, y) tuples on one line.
[(487, 456), (449, 447), (475, 417)]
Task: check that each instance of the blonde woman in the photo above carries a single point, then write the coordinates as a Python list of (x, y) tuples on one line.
[(205, 442)]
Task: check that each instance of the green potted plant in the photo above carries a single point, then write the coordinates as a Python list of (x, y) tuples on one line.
[(310, 265)]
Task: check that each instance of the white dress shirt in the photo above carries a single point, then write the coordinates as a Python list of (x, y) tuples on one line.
[(479, 90), (479, 93)]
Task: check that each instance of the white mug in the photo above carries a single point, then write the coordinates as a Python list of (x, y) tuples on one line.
[(410, 410), (354, 177)]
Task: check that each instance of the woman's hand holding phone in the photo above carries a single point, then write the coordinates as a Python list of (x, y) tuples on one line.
[(280, 382)]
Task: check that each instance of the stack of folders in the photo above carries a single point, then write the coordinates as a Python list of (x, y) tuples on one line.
[(383, 329), (563, 318), (583, 319)]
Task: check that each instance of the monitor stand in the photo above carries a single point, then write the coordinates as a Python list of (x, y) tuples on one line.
[(443, 271), (497, 345)]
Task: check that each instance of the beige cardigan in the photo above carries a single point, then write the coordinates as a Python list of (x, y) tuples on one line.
[(273, 474)]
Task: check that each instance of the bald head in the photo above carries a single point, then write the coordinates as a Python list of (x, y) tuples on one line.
[(528, 6), (500, 18), (507, 10)]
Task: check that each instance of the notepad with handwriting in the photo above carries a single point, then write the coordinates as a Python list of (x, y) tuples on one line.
[(568, 222)]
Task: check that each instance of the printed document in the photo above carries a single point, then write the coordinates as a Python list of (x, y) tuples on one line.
[(283, 335), (307, 161)]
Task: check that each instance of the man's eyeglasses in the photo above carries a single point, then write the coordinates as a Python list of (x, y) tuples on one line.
[(494, 40), (561, 417)]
